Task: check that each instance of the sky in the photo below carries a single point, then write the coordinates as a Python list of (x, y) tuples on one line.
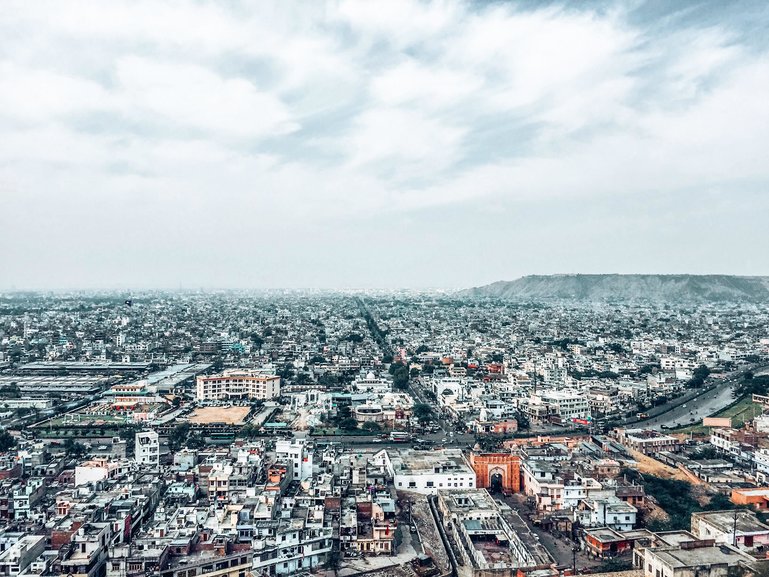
[(393, 143)]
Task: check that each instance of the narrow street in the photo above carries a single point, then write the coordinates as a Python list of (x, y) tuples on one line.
[(560, 548)]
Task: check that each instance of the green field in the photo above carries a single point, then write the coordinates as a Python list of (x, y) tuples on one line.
[(742, 411)]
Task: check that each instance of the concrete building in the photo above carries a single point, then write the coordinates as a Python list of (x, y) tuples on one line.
[(427, 472), (485, 541), (297, 455), (720, 527), (693, 559), (17, 558), (237, 384), (147, 448)]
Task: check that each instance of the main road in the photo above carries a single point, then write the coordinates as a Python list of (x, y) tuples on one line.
[(703, 404)]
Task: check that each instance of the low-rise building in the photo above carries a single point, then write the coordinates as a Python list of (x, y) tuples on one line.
[(428, 472)]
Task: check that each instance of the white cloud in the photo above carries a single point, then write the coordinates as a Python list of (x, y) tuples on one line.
[(288, 112), (192, 96)]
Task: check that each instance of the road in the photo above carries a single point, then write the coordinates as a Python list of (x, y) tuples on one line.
[(694, 410), (459, 441)]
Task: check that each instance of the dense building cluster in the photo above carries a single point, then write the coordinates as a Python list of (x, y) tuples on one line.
[(233, 434)]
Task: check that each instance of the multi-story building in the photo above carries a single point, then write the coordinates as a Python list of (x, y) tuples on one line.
[(86, 555), (648, 441), (238, 384), (297, 455), (147, 448), (564, 405), (18, 557)]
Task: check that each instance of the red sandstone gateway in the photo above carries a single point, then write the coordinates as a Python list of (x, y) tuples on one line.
[(497, 471)]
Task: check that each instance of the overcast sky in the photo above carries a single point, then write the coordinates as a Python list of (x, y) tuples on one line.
[(379, 143)]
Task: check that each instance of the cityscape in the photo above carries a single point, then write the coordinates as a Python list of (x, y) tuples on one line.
[(382, 432), (384, 288)]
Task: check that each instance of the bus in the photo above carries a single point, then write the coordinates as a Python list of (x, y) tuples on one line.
[(399, 437)]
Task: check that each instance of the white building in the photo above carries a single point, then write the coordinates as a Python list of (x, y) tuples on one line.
[(372, 384), (238, 384), (568, 404), (19, 556), (295, 453), (427, 472), (147, 451), (98, 470)]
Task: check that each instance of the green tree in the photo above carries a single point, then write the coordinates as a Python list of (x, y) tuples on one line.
[(400, 376), (178, 436), (195, 441), (74, 449), (256, 340), (371, 426), (348, 424), (423, 412), (11, 391), (7, 441)]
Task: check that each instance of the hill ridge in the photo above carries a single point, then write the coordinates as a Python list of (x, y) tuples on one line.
[(639, 287)]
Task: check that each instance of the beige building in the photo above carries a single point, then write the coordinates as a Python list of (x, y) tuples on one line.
[(238, 384)]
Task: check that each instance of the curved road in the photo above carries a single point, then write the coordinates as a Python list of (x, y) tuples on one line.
[(691, 412)]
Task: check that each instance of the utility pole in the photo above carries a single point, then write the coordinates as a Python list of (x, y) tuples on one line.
[(734, 528), (574, 550)]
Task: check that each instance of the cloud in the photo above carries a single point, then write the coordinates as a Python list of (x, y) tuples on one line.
[(300, 119), (194, 97)]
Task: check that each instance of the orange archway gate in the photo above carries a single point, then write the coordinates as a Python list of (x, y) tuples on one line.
[(506, 465)]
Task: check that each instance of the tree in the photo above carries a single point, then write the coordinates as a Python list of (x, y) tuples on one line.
[(400, 375), (128, 434), (257, 340), (7, 441), (74, 449), (177, 401), (371, 426), (348, 424), (698, 377), (11, 391), (423, 412), (196, 441), (178, 436)]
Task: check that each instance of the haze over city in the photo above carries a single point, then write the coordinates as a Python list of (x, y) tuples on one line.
[(388, 144)]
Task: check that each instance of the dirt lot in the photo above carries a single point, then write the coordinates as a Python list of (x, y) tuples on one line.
[(654, 467), (229, 415)]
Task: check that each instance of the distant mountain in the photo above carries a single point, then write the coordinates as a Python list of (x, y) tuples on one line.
[(629, 287)]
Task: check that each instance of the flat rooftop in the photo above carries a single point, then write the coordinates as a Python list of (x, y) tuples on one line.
[(467, 501), (447, 461), (682, 558), (724, 521)]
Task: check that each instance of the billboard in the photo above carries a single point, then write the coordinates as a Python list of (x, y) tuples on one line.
[(716, 422)]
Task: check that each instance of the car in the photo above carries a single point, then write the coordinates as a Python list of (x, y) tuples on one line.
[(377, 441), (443, 440), (413, 529)]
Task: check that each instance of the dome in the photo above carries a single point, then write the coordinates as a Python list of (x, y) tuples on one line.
[(370, 377)]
